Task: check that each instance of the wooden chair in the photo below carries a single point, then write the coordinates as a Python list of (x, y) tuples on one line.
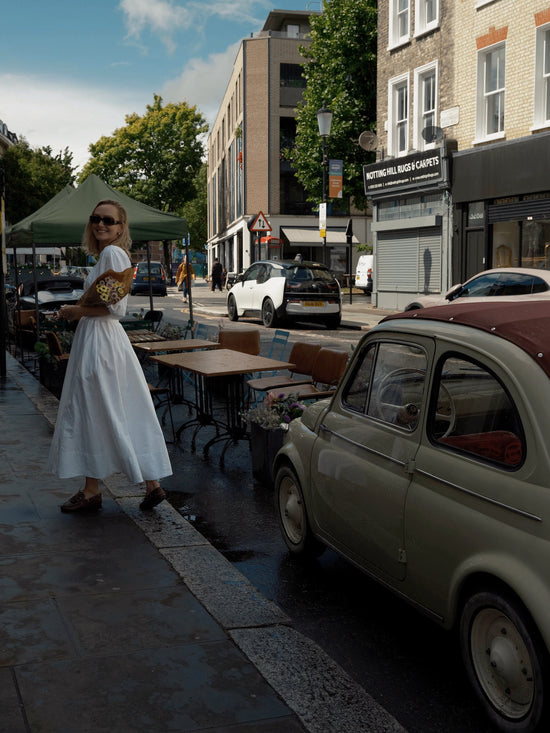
[(54, 345), (246, 341), (303, 356), (327, 371)]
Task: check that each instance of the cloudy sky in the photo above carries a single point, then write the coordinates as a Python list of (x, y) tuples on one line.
[(70, 72)]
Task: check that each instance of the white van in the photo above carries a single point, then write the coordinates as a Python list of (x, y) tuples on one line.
[(363, 273)]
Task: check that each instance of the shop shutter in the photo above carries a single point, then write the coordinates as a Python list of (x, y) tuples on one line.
[(409, 261)]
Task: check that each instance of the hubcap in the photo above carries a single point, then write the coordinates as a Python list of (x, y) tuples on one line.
[(291, 511), (502, 663)]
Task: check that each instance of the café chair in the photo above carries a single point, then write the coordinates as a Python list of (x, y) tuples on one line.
[(303, 356), (328, 368), (162, 397), (154, 318), (54, 345), (247, 341)]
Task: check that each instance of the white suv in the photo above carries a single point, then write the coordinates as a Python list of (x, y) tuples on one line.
[(280, 290)]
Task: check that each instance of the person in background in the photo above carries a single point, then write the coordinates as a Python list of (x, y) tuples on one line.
[(217, 275), (184, 276), (106, 422)]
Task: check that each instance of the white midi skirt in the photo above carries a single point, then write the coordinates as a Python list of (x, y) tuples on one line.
[(106, 421)]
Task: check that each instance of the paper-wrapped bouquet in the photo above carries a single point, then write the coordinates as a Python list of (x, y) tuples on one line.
[(108, 288)]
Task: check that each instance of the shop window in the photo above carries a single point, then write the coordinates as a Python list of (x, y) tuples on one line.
[(398, 138), (542, 77), (399, 22), (426, 16), (425, 108), (491, 88)]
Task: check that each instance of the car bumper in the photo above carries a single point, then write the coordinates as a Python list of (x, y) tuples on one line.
[(311, 309)]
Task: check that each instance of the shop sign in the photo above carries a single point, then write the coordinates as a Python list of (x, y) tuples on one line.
[(410, 170)]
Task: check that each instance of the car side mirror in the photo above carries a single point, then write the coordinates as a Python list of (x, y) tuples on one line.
[(453, 292)]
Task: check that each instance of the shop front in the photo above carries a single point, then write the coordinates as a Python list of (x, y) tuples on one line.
[(412, 227), (501, 196)]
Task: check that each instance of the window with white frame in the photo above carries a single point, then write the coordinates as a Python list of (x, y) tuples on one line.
[(542, 77), (399, 22), (426, 16), (490, 92), (398, 129), (425, 104)]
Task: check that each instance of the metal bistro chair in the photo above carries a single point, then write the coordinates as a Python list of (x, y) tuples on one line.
[(162, 397), (154, 317)]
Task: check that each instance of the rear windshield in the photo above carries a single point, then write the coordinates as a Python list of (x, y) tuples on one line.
[(156, 269), (301, 273)]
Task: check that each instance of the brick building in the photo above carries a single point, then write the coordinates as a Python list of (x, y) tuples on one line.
[(247, 173), (472, 192)]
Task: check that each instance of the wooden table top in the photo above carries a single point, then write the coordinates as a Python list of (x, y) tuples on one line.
[(176, 345), (143, 336), (220, 363)]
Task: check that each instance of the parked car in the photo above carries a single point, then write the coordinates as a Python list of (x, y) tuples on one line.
[(283, 290), (502, 282), (429, 469), (142, 273), (52, 291), (363, 273)]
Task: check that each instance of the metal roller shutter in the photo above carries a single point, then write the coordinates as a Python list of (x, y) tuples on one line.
[(409, 261)]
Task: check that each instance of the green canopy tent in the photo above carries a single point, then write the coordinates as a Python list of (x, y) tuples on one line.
[(62, 220)]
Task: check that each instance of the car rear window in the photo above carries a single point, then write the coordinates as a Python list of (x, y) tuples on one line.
[(156, 269), (302, 273)]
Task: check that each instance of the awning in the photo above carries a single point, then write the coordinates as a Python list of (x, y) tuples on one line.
[(310, 237), (39, 251)]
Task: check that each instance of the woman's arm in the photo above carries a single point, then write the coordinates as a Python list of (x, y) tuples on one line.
[(76, 312)]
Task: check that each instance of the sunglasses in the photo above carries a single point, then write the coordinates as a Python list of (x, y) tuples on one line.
[(107, 220)]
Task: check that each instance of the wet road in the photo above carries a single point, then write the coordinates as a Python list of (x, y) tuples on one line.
[(404, 661)]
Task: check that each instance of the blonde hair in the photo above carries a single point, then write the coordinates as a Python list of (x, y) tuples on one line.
[(90, 243)]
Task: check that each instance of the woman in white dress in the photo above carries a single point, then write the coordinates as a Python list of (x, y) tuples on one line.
[(106, 421)]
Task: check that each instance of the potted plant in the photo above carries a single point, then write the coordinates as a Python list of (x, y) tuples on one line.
[(268, 424)]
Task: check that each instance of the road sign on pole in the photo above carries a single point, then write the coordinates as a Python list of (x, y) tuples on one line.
[(260, 224)]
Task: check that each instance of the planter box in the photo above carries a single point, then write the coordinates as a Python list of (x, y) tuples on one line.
[(264, 444)]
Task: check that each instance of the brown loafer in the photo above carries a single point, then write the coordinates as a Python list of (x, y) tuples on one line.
[(153, 498), (79, 503)]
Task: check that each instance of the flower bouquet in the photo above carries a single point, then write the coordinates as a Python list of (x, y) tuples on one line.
[(108, 288), (277, 411)]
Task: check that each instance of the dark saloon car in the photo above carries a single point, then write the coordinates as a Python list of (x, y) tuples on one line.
[(282, 290), (149, 274)]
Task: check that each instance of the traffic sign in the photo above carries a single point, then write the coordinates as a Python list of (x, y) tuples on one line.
[(260, 224)]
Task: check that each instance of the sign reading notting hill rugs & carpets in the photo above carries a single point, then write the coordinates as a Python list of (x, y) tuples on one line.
[(406, 171)]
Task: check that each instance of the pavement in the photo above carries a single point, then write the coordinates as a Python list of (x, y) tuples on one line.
[(125, 621)]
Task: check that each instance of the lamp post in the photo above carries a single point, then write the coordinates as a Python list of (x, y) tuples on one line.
[(324, 121)]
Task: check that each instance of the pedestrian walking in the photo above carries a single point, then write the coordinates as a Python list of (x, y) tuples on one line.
[(106, 421), (217, 275), (184, 275)]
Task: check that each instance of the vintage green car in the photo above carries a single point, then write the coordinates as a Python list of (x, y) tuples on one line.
[(429, 469)]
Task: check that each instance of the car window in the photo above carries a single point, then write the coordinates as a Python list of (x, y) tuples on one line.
[(388, 383), (252, 272), (156, 269), (303, 273), (503, 283), (474, 414)]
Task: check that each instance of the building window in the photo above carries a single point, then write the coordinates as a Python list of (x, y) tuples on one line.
[(398, 129), (399, 22), (426, 16), (425, 108), (490, 96), (292, 75), (542, 77)]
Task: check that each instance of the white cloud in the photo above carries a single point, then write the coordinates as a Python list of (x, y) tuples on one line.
[(59, 114), (203, 82)]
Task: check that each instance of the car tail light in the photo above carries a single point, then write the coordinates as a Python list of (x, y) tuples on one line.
[(369, 272), (135, 272)]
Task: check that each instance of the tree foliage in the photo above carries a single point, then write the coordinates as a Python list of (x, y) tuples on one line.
[(155, 157), (33, 176), (340, 71)]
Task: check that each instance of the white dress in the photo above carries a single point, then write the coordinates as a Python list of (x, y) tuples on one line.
[(106, 421)]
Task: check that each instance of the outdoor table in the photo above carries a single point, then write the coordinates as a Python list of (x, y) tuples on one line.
[(167, 347), (143, 335), (230, 367)]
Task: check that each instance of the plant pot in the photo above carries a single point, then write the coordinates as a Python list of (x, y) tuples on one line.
[(52, 374), (264, 445)]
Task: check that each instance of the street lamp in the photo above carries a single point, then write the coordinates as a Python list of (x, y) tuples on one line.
[(324, 121)]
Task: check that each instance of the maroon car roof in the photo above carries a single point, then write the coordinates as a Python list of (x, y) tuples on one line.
[(525, 323)]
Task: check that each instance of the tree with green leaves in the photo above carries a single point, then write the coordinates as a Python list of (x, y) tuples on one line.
[(32, 177), (340, 72), (154, 158)]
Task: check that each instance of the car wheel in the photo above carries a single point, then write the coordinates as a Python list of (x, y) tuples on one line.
[(333, 322), (504, 658), (291, 512), (269, 316), (232, 308)]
